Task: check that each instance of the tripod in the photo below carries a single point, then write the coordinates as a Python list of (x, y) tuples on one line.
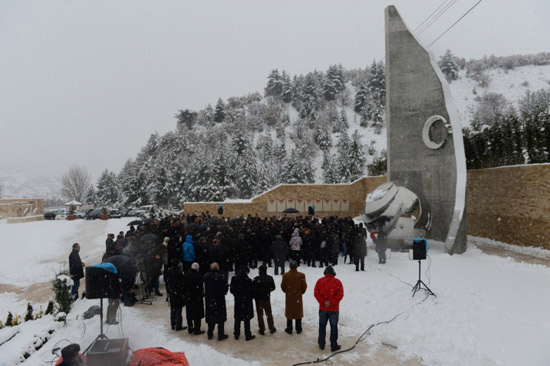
[(420, 285)]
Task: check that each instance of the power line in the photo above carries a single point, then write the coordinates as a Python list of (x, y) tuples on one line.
[(429, 16), (448, 29), (438, 15)]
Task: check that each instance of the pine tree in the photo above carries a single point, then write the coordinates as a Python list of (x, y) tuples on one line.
[(185, 119), (91, 197), (107, 189), (219, 113), (334, 82), (28, 315), (356, 157), (246, 178), (448, 66), (343, 158), (330, 170), (309, 98), (287, 93), (361, 99), (274, 87)]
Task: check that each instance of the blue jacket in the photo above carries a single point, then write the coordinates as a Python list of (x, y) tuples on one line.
[(188, 249)]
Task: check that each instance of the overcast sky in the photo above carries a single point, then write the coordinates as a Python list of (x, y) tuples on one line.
[(86, 82)]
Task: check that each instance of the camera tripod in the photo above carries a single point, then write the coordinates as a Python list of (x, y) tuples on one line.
[(420, 285)]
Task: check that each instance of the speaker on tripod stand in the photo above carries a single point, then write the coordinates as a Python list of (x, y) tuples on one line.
[(419, 253)]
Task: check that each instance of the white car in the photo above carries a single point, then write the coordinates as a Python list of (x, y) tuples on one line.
[(61, 214)]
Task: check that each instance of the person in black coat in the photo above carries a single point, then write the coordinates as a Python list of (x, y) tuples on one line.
[(76, 269), (243, 291), (176, 291), (263, 286), (194, 294), (215, 288), (359, 249), (279, 249)]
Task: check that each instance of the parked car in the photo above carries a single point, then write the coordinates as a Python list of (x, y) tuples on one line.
[(82, 213), (93, 214), (115, 214), (49, 215), (61, 214)]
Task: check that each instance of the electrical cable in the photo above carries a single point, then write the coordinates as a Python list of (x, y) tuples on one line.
[(448, 29), (443, 11), (429, 16)]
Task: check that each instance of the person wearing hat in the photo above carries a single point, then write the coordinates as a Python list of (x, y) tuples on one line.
[(194, 295), (70, 356), (263, 286), (329, 292)]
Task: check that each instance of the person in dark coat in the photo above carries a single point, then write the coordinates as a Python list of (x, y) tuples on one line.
[(215, 288), (279, 249), (76, 269), (243, 292), (359, 249), (294, 286), (153, 267), (263, 286), (194, 294), (176, 292)]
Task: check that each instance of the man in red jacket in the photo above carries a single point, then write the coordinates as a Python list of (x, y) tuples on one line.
[(329, 292)]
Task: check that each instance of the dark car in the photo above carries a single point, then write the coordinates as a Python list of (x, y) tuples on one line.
[(115, 214), (93, 214), (49, 216)]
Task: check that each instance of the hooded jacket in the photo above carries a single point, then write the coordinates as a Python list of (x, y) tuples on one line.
[(329, 288), (295, 241), (188, 249)]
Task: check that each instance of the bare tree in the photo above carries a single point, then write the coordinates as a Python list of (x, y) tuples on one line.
[(75, 183)]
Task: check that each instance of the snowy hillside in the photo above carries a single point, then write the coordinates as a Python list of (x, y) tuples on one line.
[(28, 185), (512, 84)]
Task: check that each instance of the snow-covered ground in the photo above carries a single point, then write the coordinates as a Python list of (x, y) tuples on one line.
[(489, 310)]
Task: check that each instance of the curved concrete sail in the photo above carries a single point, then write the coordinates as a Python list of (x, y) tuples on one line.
[(425, 146)]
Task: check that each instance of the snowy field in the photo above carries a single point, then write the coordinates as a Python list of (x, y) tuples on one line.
[(489, 310)]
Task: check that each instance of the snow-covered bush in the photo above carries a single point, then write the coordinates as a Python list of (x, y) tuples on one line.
[(62, 289)]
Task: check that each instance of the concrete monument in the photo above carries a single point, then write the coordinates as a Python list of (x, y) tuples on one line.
[(426, 161)]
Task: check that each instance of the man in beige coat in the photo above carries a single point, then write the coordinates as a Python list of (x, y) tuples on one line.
[(294, 286)]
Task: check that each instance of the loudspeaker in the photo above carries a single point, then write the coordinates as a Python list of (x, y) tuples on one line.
[(311, 210), (220, 210), (100, 283), (107, 352), (420, 248)]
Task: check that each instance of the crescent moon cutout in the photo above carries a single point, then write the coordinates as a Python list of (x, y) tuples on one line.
[(426, 132)]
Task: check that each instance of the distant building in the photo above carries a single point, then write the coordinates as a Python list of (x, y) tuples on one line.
[(22, 209)]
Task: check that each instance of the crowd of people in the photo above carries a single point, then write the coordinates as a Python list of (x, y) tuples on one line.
[(197, 253)]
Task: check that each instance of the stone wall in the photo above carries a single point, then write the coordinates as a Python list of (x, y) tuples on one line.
[(508, 204), (21, 207)]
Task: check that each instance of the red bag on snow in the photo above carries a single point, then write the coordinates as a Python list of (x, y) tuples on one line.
[(157, 357)]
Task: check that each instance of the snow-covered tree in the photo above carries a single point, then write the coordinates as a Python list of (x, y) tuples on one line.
[(219, 112), (274, 87), (107, 190), (448, 65)]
